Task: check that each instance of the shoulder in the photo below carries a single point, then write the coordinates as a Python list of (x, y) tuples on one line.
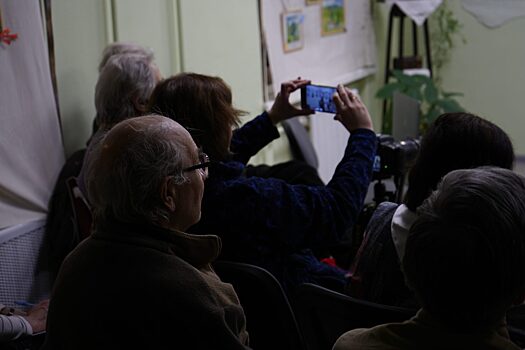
[(382, 218), (363, 338)]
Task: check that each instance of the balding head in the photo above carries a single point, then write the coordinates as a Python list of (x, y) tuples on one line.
[(130, 167)]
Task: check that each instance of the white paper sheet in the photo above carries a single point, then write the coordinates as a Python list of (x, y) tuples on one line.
[(327, 60)]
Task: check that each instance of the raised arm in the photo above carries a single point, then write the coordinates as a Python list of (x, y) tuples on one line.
[(256, 134), (304, 216)]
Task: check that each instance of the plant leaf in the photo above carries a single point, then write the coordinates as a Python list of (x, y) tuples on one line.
[(415, 93), (422, 79), (387, 91), (397, 73), (451, 94), (432, 114), (449, 105), (431, 93)]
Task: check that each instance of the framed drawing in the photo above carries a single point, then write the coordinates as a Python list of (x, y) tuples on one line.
[(333, 17), (292, 28), (312, 2)]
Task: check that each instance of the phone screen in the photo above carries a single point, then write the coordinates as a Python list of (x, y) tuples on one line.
[(318, 98)]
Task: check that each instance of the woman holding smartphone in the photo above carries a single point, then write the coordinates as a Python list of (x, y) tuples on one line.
[(267, 221)]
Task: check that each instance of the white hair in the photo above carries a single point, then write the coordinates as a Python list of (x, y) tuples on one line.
[(118, 48), (125, 79)]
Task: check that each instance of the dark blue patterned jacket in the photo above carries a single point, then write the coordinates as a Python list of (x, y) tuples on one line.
[(272, 224)]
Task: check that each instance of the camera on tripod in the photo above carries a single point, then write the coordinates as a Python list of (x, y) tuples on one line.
[(394, 158), (392, 161)]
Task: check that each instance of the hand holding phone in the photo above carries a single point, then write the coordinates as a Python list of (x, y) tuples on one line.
[(351, 112), (318, 98), (282, 108)]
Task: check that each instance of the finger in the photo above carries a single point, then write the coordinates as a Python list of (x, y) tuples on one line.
[(338, 102), (301, 83), (288, 87), (304, 111), (353, 96), (284, 88), (344, 95), (297, 84)]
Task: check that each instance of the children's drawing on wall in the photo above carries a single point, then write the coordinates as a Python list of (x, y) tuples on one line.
[(333, 17), (292, 24)]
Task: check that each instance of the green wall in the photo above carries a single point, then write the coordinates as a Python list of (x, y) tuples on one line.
[(80, 35), (205, 36), (489, 70)]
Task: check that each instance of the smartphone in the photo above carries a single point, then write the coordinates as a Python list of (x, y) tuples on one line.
[(318, 98)]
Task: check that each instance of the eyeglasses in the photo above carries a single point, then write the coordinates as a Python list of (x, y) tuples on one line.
[(204, 164)]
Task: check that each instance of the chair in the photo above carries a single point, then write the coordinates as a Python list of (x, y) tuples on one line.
[(269, 317), (324, 315), (516, 324), (82, 216), (300, 143)]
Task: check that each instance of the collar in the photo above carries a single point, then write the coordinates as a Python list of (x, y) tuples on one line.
[(401, 222), (198, 250)]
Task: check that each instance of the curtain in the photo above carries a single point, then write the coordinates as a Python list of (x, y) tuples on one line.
[(31, 152)]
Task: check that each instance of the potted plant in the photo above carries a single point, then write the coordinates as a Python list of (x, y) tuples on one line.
[(433, 100)]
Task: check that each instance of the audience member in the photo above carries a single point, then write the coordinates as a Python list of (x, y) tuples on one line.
[(60, 230), (139, 281), (15, 323), (453, 141), (267, 221), (465, 261), (121, 47), (123, 91)]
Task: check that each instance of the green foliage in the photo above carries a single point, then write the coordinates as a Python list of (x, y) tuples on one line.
[(433, 101), (444, 34)]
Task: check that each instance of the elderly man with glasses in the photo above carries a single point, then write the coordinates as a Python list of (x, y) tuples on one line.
[(139, 281)]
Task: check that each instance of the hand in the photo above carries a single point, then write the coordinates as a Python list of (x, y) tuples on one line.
[(37, 316), (351, 112), (282, 109)]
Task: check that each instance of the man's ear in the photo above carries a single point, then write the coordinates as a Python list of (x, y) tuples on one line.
[(168, 194), (140, 105)]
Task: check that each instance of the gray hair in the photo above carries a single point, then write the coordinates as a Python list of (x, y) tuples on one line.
[(465, 255), (124, 48), (125, 177), (125, 78)]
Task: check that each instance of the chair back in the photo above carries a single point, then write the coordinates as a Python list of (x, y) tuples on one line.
[(270, 320), (516, 324), (82, 216), (301, 145), (324, 315)]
